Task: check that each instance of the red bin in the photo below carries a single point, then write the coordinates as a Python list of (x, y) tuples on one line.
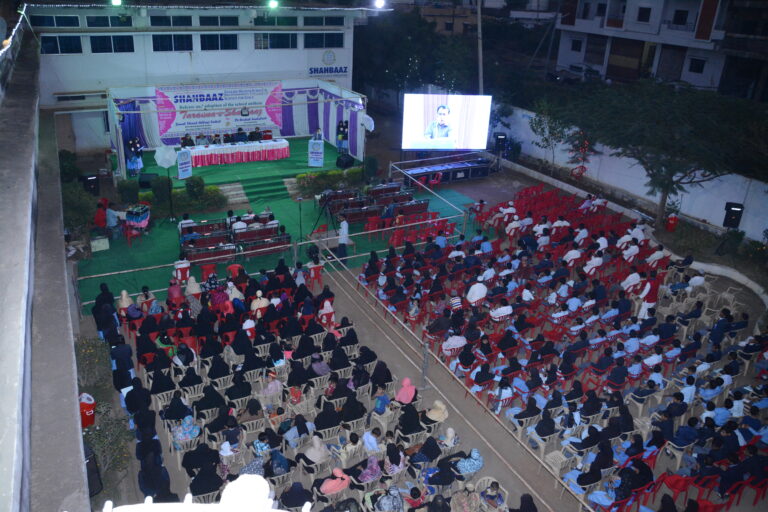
[(87, 410), (672, 223)]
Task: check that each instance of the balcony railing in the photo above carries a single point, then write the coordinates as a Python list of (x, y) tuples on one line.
[(682, 27), (615, 21)]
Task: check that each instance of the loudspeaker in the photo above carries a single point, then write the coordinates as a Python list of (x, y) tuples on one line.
[(733, 212), (145, 179), (500, 141), (90, 184), (344, 161)]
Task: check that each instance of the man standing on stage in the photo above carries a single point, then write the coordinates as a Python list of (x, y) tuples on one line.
[(341, 252)]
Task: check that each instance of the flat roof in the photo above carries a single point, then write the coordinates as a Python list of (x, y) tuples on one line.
[(192, 4)]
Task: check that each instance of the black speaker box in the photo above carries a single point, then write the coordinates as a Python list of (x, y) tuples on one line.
[(344, 161), (90, 183), (733, 212), (145, 179), (500, 141)]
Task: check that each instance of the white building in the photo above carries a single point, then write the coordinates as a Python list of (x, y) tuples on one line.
[(90, 46), (674, 40)]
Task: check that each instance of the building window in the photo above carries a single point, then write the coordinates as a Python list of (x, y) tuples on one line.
[(601, 8), (67, 21), (276, 21), (172, 42), (218, 41), (97, 21), (60, 45), (219, 21), (449, 26), (121, 21), (576, 45), (324, 40), (323, 21), (42, 21), (644, 14), (55, 21), (170, 21), (585, 11), (111, 44), (680, 17), (696, 66), (109, 21), (276, 41)]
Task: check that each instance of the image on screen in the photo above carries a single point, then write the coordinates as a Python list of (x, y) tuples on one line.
[(445, 121)]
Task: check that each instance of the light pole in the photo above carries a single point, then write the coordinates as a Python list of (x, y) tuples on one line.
[(480, 46)]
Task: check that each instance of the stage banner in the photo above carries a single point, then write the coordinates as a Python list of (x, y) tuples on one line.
[(218, 109), (184, 162), (316, 153)]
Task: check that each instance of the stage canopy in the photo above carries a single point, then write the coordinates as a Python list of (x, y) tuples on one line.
[(161, 115)]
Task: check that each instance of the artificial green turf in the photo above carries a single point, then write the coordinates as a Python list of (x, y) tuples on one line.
[(260, 180), (161, 247)]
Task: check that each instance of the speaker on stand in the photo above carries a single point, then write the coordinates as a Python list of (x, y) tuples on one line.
[(733, 213), (145, 179), (345, 161)]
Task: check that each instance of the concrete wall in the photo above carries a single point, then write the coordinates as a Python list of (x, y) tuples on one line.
[(90, 133), (706, 202)]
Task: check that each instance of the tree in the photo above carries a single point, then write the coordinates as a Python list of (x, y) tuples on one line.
[(681, 137), (550, 130)]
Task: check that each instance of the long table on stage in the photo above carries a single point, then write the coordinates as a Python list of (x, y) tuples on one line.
[(454, 171), (216, 154)]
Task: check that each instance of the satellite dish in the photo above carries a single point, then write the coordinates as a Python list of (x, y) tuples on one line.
[(165, 156)]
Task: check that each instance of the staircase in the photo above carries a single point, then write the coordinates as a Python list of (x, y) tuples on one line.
[(257, 189)]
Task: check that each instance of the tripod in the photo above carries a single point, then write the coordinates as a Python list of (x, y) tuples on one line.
[(324, 210)]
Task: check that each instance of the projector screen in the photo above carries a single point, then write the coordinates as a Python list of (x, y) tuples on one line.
[(445, 121)]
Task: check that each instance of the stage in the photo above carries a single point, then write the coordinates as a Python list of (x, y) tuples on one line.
[(260, 180)]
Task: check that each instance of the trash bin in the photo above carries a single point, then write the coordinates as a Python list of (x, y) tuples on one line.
[(87, 410), (671, 225)]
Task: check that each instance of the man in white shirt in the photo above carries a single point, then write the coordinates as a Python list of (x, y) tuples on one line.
[(631, 280), (527, 221), (581, 234), (503, 310), (594, 262), (638, 231), (598, 203), (249, 215), (513, 227), (573, 303), (561, 223), (341, 251), (457, 252), (630, 252), (602, 242), (453, 342), (503, 211), (527, 294), (572, 255), (186, 221), (272, 222), (656, 256), (622, 242), (539, 228), (477, 291), (489, 273), (586, 204), (697, 280), (239, 225)]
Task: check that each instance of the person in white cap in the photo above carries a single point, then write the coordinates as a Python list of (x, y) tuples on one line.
[(513, 227)]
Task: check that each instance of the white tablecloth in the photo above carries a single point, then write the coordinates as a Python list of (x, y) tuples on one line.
[(215, 154)]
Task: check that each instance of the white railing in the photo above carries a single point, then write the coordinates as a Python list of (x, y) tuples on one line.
[(8, 53)]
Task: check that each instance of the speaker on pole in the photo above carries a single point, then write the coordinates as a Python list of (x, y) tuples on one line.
[(344, 161), (145, 179), (90, 183), (733, 212), (500, 141)]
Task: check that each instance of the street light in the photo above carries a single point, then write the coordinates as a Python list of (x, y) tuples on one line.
[(379, 4), (273, 4), (117, 3)]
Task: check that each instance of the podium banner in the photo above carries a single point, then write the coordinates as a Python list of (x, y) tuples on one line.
[(184, 161), (315, 153)]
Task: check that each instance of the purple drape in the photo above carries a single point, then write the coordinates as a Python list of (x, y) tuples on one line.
[(131, 124), (353, 132), (288, 129), (331, 135), (313, 119)]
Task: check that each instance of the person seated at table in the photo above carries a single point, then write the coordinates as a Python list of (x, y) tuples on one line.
[(216, 138), (239, 225), (241, 136), (255, 135), (201, 140), (186, 141)]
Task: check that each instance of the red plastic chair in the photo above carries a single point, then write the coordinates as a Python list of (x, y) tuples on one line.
[(234, 269), (315, 276), (434, 183), (207, 269)]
